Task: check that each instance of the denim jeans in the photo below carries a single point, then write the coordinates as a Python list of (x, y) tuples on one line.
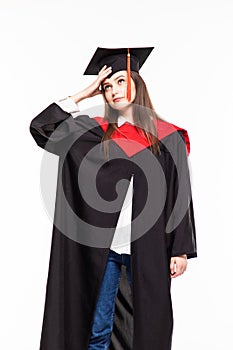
[(104, 313)]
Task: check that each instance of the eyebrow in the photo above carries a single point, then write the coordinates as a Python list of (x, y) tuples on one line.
[(114, 79)]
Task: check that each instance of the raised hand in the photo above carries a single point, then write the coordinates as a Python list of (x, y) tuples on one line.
[(94, 88)]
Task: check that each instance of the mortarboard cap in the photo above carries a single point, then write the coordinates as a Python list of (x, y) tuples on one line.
[(119, 59), (116, 58)]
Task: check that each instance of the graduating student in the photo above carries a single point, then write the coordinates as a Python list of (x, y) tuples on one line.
[(123, 209)]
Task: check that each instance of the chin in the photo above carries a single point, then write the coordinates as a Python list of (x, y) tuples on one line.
[(119, 106)]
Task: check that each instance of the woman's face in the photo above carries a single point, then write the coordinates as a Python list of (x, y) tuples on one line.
[(115, 90)]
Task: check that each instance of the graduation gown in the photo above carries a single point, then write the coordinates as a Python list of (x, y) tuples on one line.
[(89, 196)]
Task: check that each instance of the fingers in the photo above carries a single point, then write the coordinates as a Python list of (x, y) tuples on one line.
[(178, 266), (105, 68), (172, 266), (94, 88), (104, 72)]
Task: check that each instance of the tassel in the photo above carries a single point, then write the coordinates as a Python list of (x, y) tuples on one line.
[(128, 77)]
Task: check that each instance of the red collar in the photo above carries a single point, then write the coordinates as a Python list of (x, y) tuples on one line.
[(129, 139)]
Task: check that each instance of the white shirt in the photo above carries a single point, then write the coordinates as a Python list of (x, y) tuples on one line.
[(122, 236)]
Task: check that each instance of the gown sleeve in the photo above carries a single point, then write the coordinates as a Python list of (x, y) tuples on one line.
[(181, 224), (52, 127)]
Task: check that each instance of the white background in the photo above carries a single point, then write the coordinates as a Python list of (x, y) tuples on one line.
[(45, 47)]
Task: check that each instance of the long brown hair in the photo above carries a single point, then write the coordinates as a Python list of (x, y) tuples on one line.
[(144, 116)]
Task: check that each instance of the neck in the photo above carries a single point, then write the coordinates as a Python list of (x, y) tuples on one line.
[(127, 113)]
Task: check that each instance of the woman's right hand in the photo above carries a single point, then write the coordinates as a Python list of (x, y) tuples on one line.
[(94, 88)]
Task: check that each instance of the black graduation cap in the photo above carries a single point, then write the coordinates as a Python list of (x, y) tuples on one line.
[(119, 59)]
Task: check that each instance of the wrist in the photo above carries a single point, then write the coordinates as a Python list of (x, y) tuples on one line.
[(79, 96)]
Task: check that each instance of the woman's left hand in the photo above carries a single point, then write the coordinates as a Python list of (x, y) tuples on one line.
[(178, 265)]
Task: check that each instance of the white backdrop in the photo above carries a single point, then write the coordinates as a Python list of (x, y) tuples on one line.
[(45, 47)]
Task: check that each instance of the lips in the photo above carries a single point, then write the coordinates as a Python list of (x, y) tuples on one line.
[(118, 99)]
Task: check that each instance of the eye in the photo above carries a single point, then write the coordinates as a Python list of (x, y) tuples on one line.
[(121, 81), (107, 87)]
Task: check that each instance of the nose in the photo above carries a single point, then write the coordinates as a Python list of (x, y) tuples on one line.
[(114, 89)]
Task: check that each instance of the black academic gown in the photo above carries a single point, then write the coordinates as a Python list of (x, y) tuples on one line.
[(89, 196)]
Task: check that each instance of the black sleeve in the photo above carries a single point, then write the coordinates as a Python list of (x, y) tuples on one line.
[(52, 127), (181, 222)]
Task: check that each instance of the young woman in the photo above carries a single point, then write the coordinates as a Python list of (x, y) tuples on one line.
[(105, 227)]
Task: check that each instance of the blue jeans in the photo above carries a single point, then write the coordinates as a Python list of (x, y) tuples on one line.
[(104, 313)]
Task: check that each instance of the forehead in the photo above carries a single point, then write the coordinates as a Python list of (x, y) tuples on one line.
[(115, 76)]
